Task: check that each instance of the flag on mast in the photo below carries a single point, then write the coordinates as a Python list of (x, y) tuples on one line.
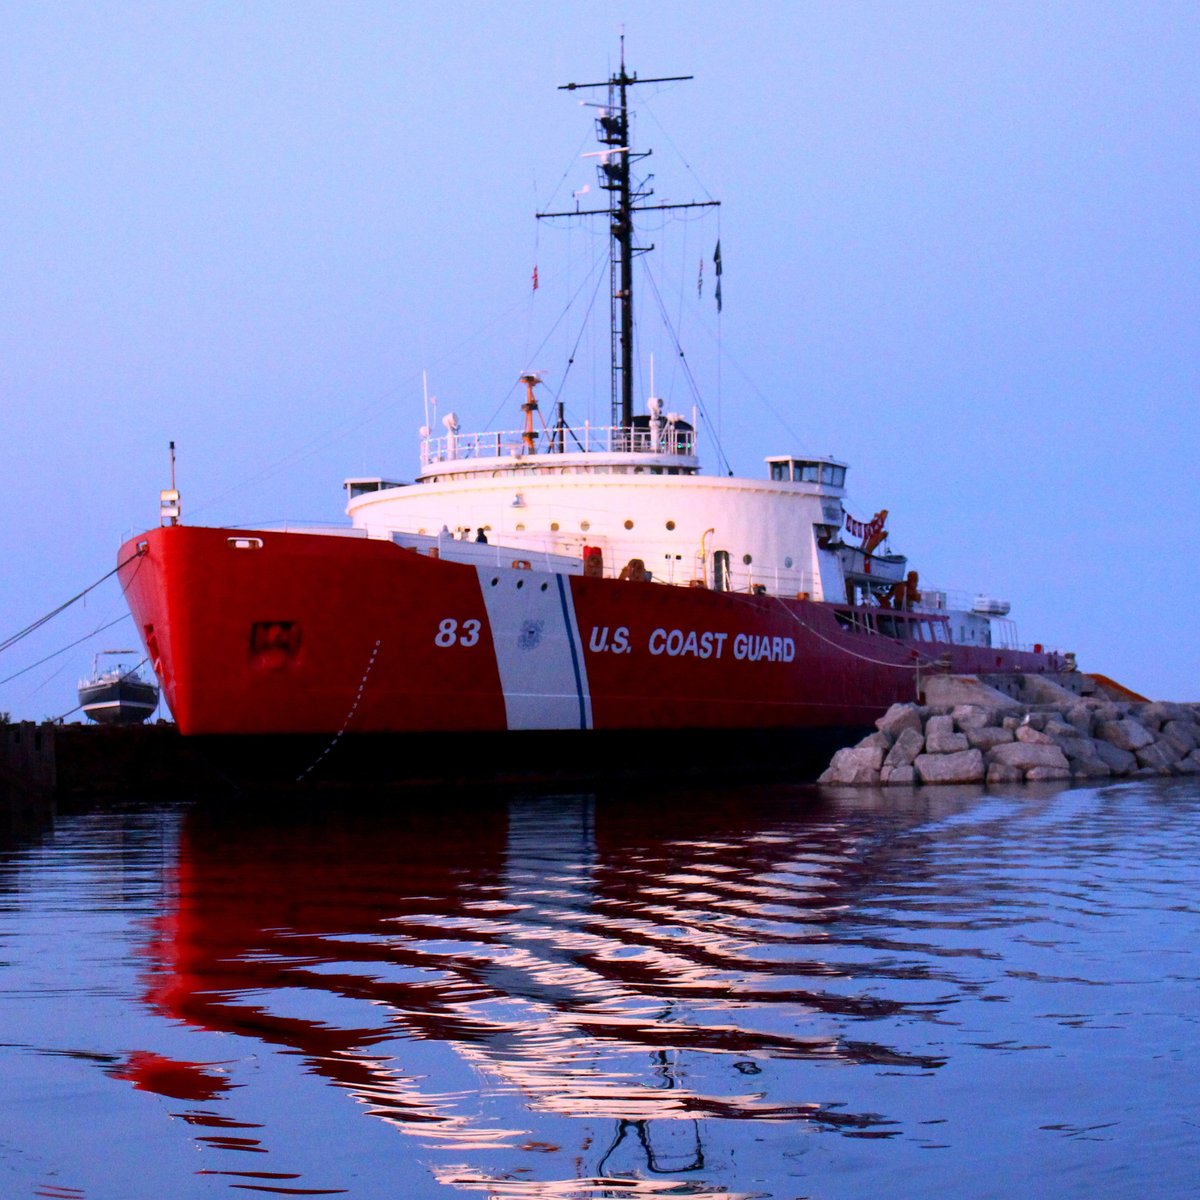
[(535, 277), (717, 267)]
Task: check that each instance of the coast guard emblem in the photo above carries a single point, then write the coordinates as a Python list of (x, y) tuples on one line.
[(531, 635)]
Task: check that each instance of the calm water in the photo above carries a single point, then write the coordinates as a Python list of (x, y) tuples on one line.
[(744, 993)]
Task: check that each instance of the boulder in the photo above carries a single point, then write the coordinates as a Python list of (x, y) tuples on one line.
[(1118, 761), (1060, 729), (1159, 712), (1186, 766), (971, 716), (857, 764), (964, 766), (988, 736), (904, 773), (1184, 734), (1157, 754), (1040, 774), (1000, 773), (1126, 734), (898, 718), (1027, 755), (1092, 767), (879, 738), (940, 737), (1077, 747), (1081, 718), (908, 745), (1034, 737)]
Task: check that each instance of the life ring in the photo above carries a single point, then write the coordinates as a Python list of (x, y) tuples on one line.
[(521, 564)]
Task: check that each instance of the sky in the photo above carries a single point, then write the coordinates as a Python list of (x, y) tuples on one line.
[(961, 252)]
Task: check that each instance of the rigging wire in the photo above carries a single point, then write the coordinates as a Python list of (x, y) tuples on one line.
[(599, 274), (686, 366), (583, 326), (683, 277), (341, 429), (670, 142), (571, 162), (720, 342), (725, 356)]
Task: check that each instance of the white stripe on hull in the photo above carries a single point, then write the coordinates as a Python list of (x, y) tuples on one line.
[(538, 652)]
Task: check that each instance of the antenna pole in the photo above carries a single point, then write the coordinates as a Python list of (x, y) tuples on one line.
[(616, 179)]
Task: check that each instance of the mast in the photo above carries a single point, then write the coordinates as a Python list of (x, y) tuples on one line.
[(616, 178)]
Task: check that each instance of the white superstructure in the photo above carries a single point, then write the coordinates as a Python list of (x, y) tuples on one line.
[(647, 502)]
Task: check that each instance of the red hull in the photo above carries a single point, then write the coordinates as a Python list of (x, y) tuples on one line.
[(308, 634)]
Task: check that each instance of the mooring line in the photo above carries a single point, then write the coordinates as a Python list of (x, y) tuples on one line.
[(915, 665), (11, 641), (64, 649)]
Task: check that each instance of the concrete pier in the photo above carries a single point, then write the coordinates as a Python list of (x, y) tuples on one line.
[(42, 762)]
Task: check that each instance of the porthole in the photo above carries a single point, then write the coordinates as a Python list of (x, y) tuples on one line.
[(787, 562), (520, 528), (670, 524), (520, 583), (553, 526), (545, 586), (585, 525), (747, 559), (495, 581), (628, 524)]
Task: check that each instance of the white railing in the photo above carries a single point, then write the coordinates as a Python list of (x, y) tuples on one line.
[(940, 600), (591, 439), (777, 580), (305, 527)]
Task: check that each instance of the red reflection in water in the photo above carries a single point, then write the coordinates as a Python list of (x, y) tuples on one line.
[(149, 1072), (569, 954)]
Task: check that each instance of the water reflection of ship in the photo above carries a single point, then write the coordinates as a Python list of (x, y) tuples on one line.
[(574, 957)]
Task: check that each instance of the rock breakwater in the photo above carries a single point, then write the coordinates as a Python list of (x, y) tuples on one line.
[(999, 740)]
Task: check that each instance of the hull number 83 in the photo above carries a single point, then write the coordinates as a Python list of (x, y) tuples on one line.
[(451, 633)]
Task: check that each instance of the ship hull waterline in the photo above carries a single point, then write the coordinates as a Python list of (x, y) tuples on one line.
[(313, 657)]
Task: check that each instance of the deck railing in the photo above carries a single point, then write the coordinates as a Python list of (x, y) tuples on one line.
[(591, 439)]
